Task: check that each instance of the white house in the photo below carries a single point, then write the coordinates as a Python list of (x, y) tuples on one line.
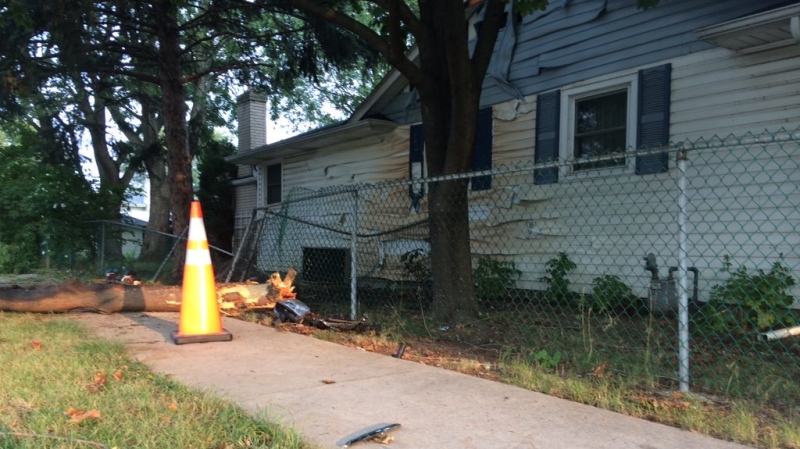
[(686, 72)]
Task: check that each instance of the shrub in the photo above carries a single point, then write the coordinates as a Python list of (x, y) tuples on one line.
[(20, 257), (610, 292), (748, 298), (557, 269), (493, 278)]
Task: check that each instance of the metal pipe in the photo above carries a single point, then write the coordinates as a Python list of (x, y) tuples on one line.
[(779, 333), (164, 262), (683, 300), (242, 244), (144, 229), (102, 247), (249, 263), (695, 283), (339, 231), (354, 260)]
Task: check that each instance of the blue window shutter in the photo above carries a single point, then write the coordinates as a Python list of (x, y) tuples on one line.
[(548, 112), (653, 121), (416, 159), (274, 183), (416, 146), (482, 155)]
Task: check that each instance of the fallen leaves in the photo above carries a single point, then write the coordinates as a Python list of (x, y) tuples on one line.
[(600, 370), (100, 380), (328, 381), (98, 383), (78, 416), (675, 402), (36, 345)]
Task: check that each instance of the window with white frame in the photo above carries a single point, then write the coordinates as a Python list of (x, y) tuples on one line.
[(598, 125), (595, 126)]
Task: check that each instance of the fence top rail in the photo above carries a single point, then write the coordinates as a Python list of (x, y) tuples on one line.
[(166, 234)]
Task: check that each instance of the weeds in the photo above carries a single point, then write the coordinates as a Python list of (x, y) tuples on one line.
[(747, 300), (557, 269), (609, 292), (493, 278)]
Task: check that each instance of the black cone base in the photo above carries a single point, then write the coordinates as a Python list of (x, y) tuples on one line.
[(180, 339)]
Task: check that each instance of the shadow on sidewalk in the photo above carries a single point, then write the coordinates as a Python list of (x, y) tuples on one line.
[(163, 326)]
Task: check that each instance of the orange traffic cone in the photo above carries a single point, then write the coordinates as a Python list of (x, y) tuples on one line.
[(200, 319)]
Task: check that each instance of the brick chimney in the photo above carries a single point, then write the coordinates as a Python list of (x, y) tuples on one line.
[(251, 108)]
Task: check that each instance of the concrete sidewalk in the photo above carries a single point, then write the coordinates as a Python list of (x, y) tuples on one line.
[(281, 374)]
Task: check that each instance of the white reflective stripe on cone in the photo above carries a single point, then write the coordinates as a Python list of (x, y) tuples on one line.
[(198, 257), (196, 229)]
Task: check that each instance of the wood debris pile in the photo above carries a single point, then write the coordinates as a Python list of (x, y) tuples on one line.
[(238, 297)]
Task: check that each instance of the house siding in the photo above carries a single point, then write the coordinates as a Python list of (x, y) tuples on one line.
[(554, 51), (606, 224), (366, 161), (716, 92), (245, 201), (719, 92)]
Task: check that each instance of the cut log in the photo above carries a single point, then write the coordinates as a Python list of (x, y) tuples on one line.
[(103, 298)]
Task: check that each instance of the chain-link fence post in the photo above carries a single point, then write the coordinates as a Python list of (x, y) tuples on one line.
[(100, 268), (683, 304), (354, 259)]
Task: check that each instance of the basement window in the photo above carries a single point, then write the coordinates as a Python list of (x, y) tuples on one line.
[(326, 265)]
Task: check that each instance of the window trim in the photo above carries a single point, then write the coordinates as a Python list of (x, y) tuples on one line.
[(569, 97)]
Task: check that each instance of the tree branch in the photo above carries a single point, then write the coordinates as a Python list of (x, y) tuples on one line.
[(400, 62)]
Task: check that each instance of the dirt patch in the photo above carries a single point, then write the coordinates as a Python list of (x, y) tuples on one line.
[(452, 355)]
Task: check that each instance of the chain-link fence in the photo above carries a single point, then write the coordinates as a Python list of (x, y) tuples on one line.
[(135, 252), (682, 274)]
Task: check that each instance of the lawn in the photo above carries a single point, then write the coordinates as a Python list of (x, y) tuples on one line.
[(63, 388)]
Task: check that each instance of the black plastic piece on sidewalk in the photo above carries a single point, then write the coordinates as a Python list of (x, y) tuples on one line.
[(366, 434)]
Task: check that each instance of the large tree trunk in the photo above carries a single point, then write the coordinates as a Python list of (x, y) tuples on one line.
[(155, 245), (451, 257), (449, 81), (179, 157), (450, 104), (106, 298), (450, 119), (72, 296)]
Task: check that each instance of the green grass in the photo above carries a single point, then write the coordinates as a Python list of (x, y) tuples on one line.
[(628, 364), (50, 366), (743, 421)]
